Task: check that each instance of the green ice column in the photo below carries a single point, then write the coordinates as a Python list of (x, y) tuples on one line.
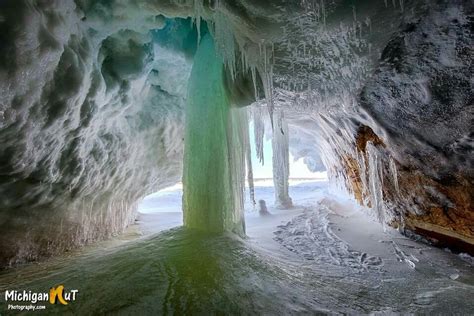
[(213, 174)]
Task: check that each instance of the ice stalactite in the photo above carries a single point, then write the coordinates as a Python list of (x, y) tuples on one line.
[(375, 178), (280, 159), (267, 76), (237, 137), (248, 159), (394, 173), (214, 157), (259, 132)]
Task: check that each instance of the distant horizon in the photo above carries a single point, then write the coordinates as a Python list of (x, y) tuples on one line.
[(296, 178), (298, 169)]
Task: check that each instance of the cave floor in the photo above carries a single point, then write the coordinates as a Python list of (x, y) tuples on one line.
[(324, 255)]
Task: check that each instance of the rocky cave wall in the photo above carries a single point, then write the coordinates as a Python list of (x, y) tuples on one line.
[(401, 140)]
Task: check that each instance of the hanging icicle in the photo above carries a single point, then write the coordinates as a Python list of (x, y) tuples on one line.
[(259, 132), (248, 158), (281, 163)]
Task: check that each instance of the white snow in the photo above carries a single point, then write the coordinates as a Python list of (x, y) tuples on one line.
[(325, 227), (323, 254)]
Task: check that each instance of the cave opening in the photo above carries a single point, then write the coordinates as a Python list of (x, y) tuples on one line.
[(163, 210), (219, 144)]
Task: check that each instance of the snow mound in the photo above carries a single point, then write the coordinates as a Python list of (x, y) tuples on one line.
[(310, 236)]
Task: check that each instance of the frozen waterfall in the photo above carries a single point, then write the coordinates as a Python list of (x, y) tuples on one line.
[(214, 152)]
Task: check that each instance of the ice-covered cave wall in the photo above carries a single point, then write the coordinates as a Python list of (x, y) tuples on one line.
[(91, 111), (91, 106), (382, 92), (388, 105), (91, 119)]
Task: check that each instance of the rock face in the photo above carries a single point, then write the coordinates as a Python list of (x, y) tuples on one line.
[(93, 92), (421, 102), (403, 145)]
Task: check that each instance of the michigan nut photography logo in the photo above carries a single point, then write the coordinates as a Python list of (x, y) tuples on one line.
[(56, 295)]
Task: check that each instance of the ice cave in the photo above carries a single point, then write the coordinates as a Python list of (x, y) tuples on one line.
[(237, 157)]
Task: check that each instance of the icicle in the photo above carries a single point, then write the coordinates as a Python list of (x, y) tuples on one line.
[(222, 32), (280, 159), (394, 173), (253, 71), (250, 177), (198, 10), (259, 132), (375, 182), (268, 80), (363, 177), (224, 37), (248, 156), (237, 138)]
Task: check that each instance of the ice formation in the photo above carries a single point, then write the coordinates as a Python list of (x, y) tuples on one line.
[(93, 96), (259, 132), (91, 118), (280, 158), (214, 152)]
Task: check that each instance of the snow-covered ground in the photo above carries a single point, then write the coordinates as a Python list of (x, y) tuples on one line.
[(328, 230), (324, 225), (323, 255)]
